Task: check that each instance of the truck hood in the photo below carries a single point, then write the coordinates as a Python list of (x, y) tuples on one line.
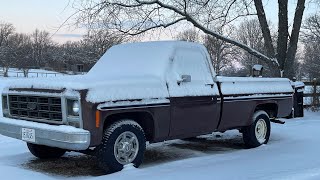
[(100, 89)]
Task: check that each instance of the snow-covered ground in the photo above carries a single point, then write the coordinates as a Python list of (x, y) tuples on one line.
[(292, 153)]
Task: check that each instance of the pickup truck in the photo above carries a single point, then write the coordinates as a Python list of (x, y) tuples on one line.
[(138, 93)]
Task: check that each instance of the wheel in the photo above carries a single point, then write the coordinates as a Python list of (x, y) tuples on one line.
[(123, 143), (45, 152), (257, 133)]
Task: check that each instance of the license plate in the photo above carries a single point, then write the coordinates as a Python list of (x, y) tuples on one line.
[(28, 135)]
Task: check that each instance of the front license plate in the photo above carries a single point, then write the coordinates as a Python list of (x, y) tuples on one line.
[(28, 135)]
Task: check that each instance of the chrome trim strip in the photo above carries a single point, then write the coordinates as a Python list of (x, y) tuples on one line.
[(251, 99), (258, 96), (138, 107)]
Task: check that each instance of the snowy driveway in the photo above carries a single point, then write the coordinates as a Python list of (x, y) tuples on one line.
[(292, 153)]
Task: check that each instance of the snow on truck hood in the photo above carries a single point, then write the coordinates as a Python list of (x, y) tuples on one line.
[(101, 89)]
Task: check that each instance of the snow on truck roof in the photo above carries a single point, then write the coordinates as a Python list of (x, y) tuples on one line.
[(140, 58)]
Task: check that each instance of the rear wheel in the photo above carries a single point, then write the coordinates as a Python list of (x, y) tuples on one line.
[(257, 133), (45, 152), (123, 143)]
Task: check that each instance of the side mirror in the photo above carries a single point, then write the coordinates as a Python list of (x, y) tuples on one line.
[(184, 78)]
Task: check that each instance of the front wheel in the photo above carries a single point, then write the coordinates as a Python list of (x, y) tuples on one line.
[(257, 133), (45, 152), (123, 143)]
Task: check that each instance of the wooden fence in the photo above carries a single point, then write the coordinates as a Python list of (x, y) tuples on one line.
[(37, 74), (32, 74), (312, 92)]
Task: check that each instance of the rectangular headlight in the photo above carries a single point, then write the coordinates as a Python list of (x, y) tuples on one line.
[(4, 102), (73, 113), (73, 107), (5, 108)]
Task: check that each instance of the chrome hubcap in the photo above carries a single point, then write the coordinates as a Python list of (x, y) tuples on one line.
[(261, 131), (126, 147)]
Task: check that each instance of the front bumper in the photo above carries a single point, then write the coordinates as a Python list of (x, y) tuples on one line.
[(65, 137)]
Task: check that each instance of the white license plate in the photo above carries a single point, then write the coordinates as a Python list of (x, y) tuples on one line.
[(28, 135)]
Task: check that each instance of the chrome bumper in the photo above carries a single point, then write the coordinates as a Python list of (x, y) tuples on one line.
[(65, 137)]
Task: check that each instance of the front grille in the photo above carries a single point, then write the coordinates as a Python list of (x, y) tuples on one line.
[(36, 108)]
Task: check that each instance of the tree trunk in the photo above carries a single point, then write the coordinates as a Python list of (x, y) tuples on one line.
[(282, 42), (267, 37), (5, 71), (292, 49), (264, 28), (25, 72)]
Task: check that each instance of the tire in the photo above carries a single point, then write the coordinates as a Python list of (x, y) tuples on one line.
[(258, 132), (123, 143), (45, 152)]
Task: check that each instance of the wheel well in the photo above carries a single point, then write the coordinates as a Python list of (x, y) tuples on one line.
[(144, 119), (270, 108)]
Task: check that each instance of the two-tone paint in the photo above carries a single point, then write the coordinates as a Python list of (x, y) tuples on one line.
[(183, 117)]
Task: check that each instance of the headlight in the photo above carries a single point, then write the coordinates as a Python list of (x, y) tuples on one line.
[(4, 102), (76, 108), (73, 107), (73, 113), (5, 108)]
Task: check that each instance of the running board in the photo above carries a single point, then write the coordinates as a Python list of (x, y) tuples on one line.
[(277, 121)]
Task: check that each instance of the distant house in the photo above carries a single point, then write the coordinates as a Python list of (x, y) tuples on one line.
[(78, 68)]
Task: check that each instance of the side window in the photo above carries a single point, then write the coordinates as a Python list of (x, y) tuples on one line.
[(192, 62)]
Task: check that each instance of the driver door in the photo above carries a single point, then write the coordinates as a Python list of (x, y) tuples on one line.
[(194, 106)]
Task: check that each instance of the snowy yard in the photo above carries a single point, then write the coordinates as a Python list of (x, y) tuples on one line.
[(292, 153)]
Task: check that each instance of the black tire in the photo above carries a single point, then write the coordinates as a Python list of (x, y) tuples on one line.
[(45, 152), (249, 133), (105, 152)]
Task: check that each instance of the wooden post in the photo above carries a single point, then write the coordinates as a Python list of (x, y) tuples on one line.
[(315, 98)]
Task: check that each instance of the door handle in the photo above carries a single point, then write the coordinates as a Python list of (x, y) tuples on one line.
[(210, 84)]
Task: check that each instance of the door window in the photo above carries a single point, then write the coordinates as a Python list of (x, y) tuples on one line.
[(190, 61)]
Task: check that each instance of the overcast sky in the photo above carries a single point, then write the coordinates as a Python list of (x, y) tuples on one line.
[(27, 15)]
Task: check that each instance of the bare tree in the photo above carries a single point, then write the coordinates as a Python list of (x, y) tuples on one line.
[(97, 41), (311, 29), (7, 58), (311, 64), (6, 52), (190, 35), (85, 52), (41, 42), (311, 40), (249, 32), (6, 29), (222, 54), (22, 51), (138, 16)]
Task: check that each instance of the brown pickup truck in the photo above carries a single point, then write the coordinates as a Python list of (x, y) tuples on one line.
[(139, 92)]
